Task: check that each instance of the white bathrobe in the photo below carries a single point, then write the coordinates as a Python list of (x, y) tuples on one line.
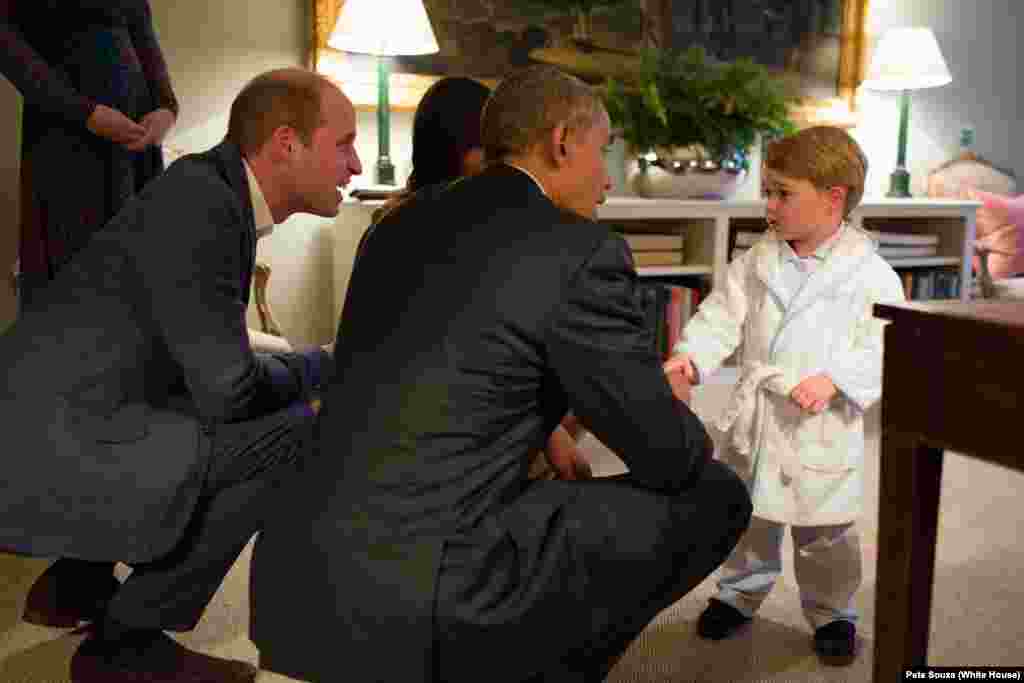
[(802, 469)]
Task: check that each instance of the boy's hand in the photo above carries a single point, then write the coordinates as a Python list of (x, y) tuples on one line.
[(681, 361), (814, 393)]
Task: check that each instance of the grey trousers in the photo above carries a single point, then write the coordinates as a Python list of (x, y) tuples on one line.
[(250, 459), (826, 561)]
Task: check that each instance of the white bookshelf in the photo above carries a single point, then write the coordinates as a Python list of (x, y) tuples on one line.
[(704, 227)]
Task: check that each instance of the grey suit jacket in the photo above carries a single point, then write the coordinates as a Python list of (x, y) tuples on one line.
[(475, 315), (114, 384)]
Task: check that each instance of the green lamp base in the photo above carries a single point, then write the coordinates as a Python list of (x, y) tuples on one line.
[(899, 183), (385, 171)]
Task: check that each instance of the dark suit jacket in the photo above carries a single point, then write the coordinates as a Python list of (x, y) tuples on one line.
[(475, 315), (115, 383)]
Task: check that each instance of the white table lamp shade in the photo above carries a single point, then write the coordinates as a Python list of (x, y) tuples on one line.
[(907, 59), (384, 27)]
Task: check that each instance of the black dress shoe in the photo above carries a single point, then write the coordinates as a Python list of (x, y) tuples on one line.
[(720, 620), (836, 639), (70, 592), (152, 657)]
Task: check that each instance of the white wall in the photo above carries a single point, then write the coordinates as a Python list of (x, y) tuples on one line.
[(980, 42)]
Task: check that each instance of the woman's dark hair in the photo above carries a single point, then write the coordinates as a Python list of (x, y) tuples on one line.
[(445, 127)]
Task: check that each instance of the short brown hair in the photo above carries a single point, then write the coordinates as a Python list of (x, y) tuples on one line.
[(283, 97), (531, 102), (825, 156)]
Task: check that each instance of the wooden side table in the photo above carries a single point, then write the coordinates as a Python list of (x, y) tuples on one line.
[(953, 379)]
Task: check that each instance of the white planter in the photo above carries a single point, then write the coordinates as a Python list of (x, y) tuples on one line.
[(692, 183)]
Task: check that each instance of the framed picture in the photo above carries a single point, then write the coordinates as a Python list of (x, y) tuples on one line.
[(819, 45)]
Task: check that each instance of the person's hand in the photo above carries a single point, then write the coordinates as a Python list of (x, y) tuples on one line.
[(680, 375), (681, 362), (114, 126), (680, 385), (156, 123), (814, 393), (329, 348), (268, 343), (565, 458)]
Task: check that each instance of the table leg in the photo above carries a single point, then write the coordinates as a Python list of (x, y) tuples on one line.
[(910, 479)]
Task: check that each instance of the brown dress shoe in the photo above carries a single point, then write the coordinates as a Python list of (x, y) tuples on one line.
[(70, 592), (152, 657)]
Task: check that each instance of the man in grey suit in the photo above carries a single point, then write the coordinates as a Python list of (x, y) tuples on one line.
[(475, 315), (141, 426)]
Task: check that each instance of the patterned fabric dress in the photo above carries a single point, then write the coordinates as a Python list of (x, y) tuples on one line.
[(65, 58)]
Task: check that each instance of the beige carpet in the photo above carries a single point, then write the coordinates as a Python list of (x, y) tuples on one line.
[(977, 615)]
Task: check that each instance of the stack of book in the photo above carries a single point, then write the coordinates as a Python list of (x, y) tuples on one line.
[(655, 249), (893, 246)]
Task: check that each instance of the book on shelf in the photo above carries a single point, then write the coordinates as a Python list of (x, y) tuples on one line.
[(658, 258), (886, 251), (668, 309), (747, 238), (929, 284), (649, 241), (908, 284), (907, 239)]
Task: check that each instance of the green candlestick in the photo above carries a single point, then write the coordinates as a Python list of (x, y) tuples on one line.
[(899, 181), (385, 169)]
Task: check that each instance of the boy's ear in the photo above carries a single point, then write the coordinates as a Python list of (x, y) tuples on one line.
[(837, 195)]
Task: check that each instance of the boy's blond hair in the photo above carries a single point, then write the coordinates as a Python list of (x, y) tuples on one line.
[(825, 156)]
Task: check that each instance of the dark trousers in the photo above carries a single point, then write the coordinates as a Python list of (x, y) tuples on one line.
[(249, 460), (631, 553)]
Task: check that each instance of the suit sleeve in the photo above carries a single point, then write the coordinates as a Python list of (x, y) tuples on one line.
[(191, 262), (603, 351)]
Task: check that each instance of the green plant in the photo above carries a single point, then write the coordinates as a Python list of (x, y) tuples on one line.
[(681, 99)]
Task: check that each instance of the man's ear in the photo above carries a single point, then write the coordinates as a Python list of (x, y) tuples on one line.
[(559, 145), (283, 142)]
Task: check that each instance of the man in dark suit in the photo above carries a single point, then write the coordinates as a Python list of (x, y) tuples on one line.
[(475, 315), (142, 428)]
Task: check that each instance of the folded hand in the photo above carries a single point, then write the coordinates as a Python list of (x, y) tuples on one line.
[(156, 124), (114, 126)]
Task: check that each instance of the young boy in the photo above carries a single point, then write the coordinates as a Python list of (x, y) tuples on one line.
[(800, 303)]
